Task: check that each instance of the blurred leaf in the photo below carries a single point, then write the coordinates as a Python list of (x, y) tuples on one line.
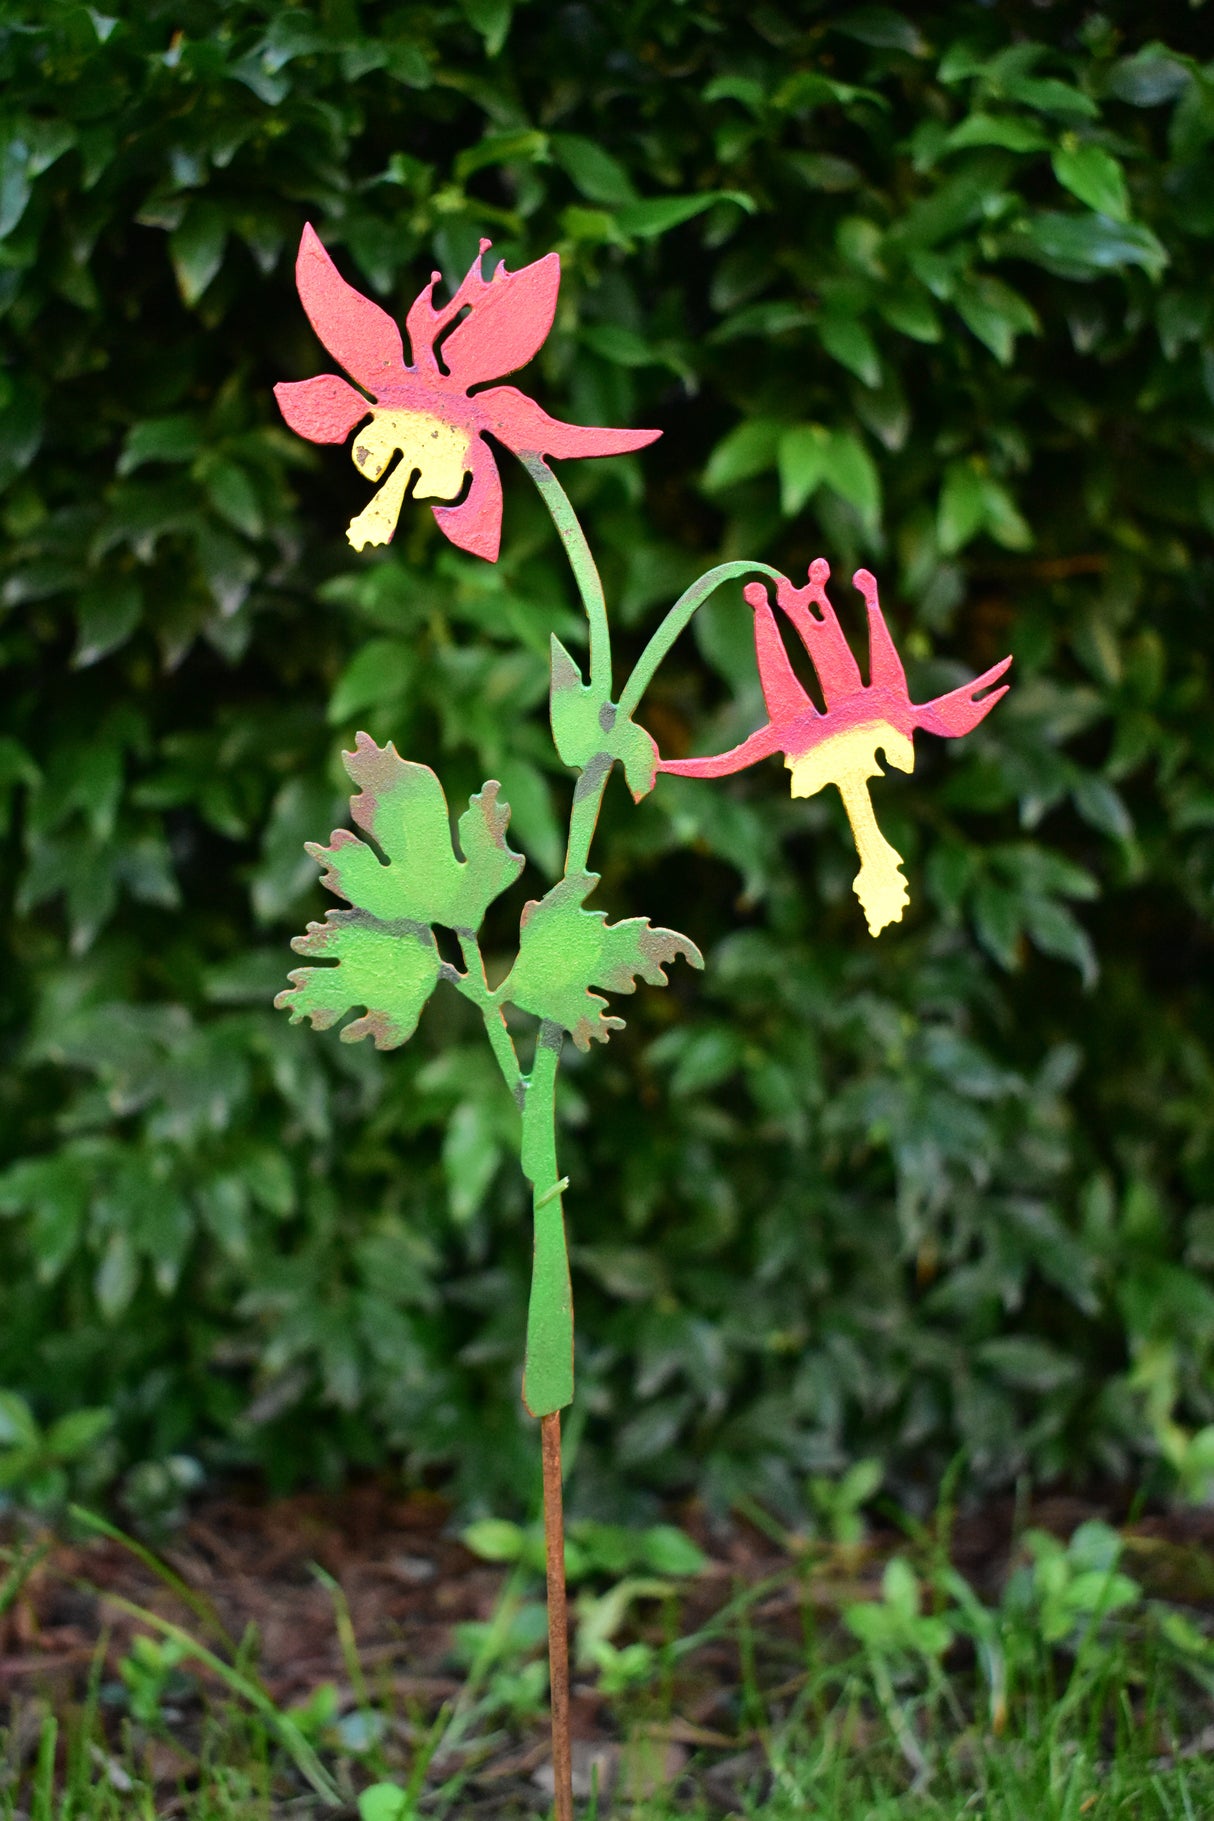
[(1148, 78), (471, 1154), (850, 343), (1093, 175), (853, 476), (378, 672), (196, 249), (1008, 130), (160, 439), (658, 214), (494, 1540), (106, 614), (803, 457), (882, 27), (670, 1551), (748, 449), (1076, 245), (491, 19), (597, 173), (996, 315)]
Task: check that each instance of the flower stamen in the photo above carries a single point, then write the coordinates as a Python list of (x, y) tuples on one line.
[(848, 760), (433, 450)]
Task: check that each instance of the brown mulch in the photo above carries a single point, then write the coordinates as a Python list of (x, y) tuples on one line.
[(408, 1581)]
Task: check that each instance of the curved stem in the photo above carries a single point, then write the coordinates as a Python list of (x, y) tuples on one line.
[(475, 986), (588, 794), (677, 620), (584, 814), (581, 561)]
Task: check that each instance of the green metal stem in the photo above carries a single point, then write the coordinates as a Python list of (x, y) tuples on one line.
[(677, 620), (475, 986), (584, 814), (548, 1373), (581, 561)]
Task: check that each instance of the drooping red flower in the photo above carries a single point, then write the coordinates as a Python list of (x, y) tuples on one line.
[(838, 745), (427, 411)]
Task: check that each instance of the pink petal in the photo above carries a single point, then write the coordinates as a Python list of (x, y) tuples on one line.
[(507, 324), (958, 712), (356, 331), (476, 523), (885, 672), (821, 635), (425, 323), (782, 690), (526, 429), (324, 409), (760, 745)]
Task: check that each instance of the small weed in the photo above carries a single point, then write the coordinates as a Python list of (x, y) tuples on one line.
[(151, 1674), (38, 1467)]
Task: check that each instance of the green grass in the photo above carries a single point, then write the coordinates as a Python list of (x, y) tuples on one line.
[(1076, 1695)]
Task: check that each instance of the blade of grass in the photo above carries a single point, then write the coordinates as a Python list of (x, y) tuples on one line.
[(44, 1773), (20, 1572), (292, 1740), (344, 1624), (197, 1603)]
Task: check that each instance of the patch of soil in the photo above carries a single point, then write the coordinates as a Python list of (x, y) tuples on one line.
[(407, 1582)]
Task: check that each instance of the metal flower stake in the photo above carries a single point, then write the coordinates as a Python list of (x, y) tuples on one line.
[(378, 958)]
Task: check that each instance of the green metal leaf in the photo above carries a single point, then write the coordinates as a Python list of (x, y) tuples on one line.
[(587, 725), (565, 950), (384, 947), (390, 969), (401, 805)]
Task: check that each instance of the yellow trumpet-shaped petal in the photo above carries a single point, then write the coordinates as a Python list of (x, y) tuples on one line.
[(430, 448), (848, 760)]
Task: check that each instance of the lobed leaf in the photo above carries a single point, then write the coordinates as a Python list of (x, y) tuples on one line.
[(389, 970), (565, 950), (401, 805)]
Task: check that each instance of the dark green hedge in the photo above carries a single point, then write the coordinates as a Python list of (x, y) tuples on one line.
[(927, 289)]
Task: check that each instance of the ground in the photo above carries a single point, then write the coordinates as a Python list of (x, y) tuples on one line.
[(358, 1633)]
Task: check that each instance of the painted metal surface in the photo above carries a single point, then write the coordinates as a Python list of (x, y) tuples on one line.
[(376, 962), (425, 412), (838, 743), (422, 425)]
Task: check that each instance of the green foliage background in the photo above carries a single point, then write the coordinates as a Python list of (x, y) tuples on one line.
[(929, 290)]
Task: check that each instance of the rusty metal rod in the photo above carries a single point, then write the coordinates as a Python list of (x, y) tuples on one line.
[(558, 1624)]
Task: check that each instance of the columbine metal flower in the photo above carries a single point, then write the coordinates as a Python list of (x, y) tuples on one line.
[(426, 412), (840, 746)]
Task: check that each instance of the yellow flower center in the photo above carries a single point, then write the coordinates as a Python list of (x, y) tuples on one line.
[(430, 448), (848, 760)]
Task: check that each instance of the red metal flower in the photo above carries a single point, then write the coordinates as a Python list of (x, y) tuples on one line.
[(426, 411), (840, 746)]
